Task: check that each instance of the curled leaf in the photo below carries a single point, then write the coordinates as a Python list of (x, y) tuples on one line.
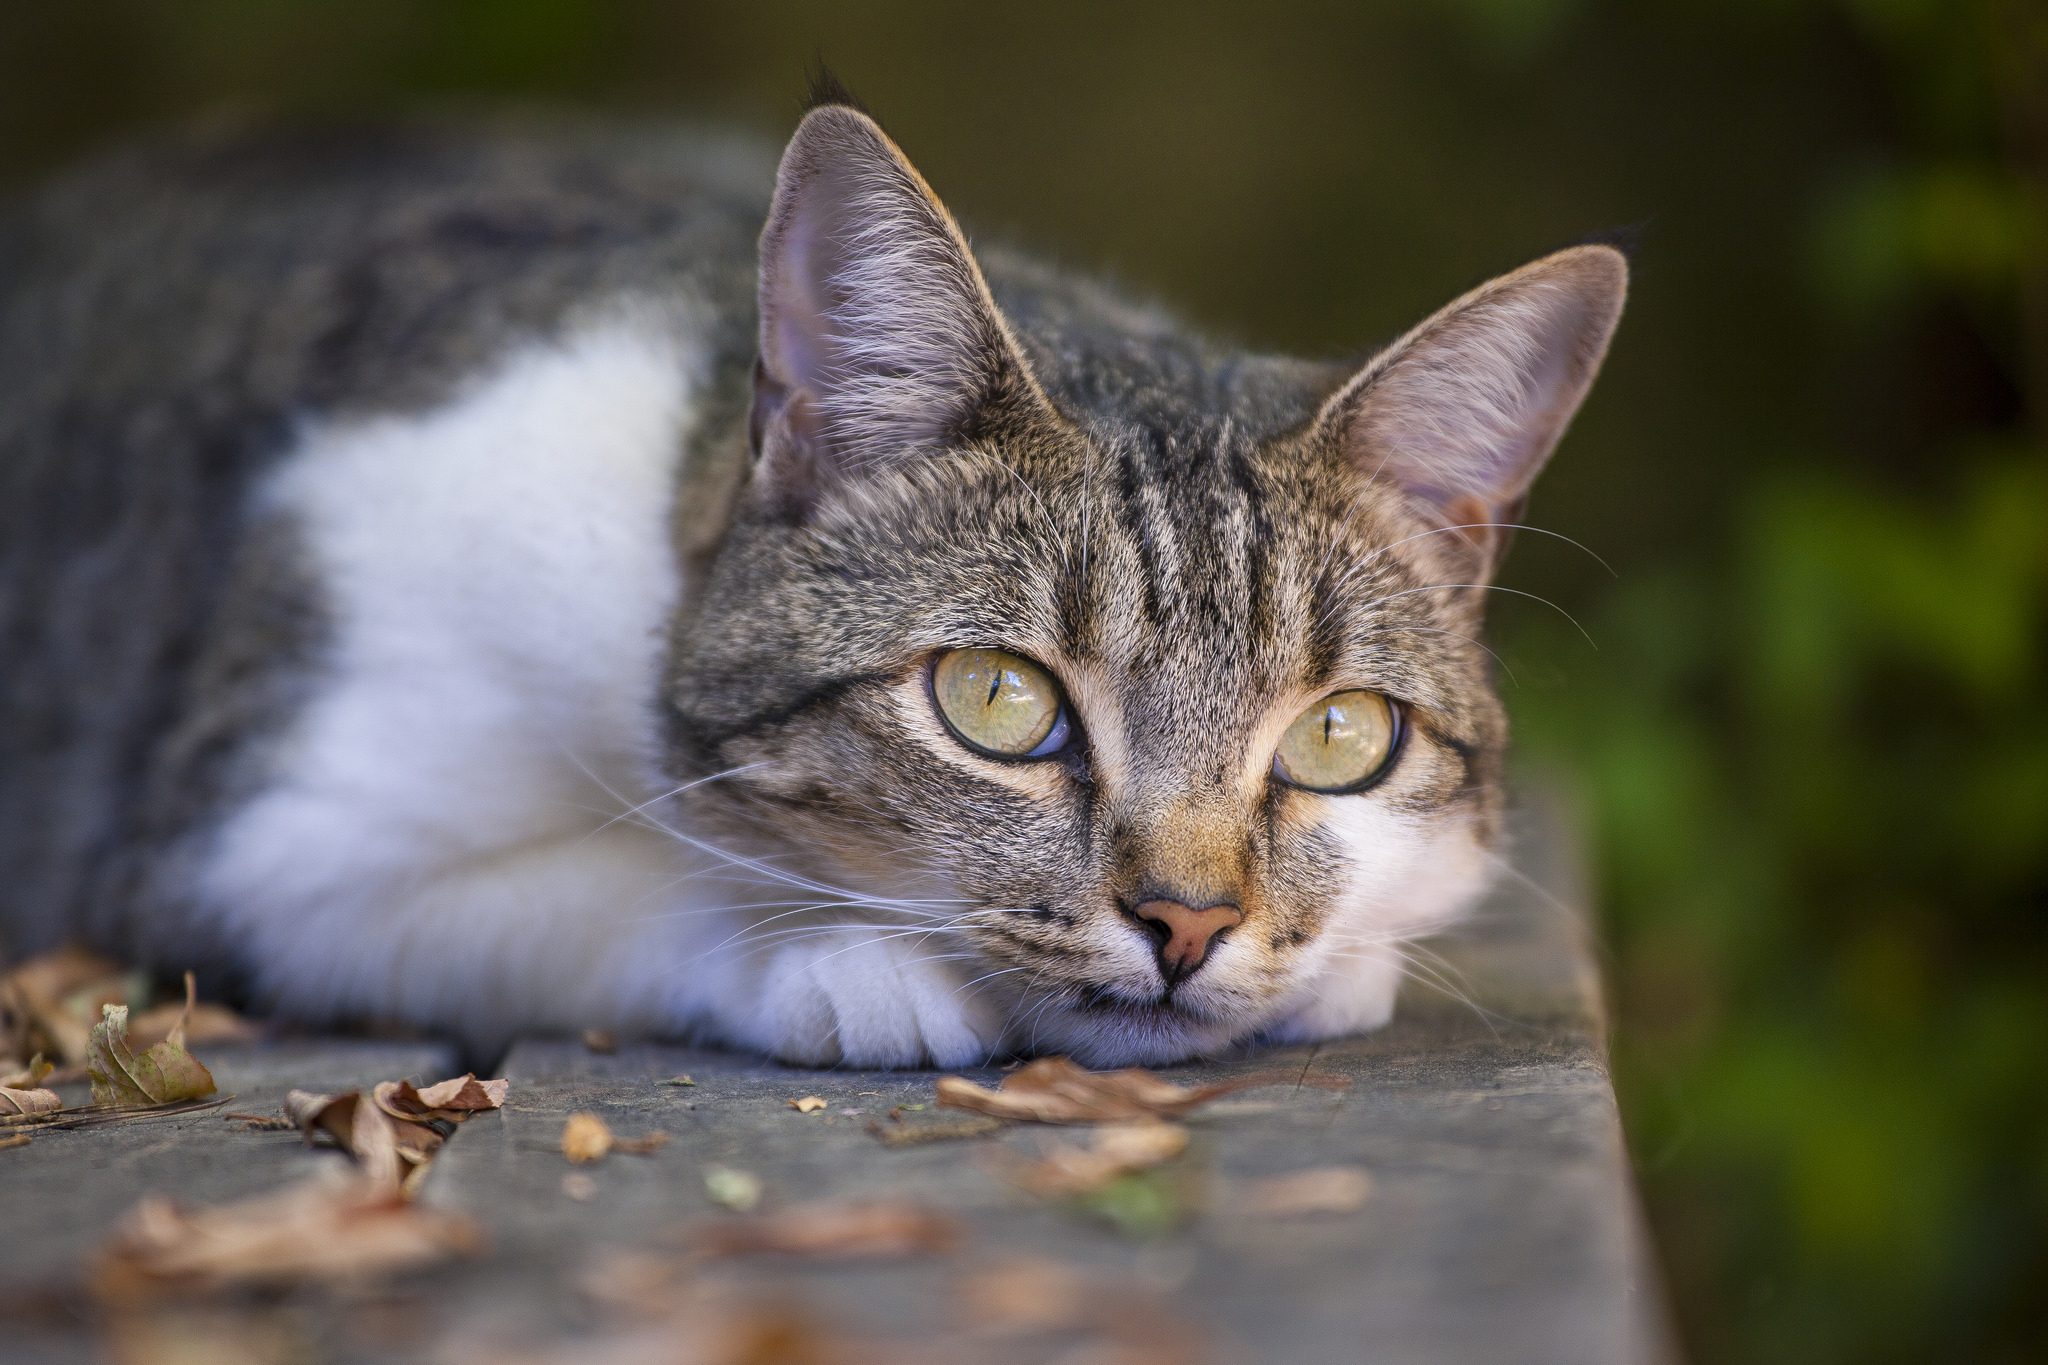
[(163, 1074), (809, 1104), (14, 1101), (27, 1077), (362, 1130), (1055, 1090)]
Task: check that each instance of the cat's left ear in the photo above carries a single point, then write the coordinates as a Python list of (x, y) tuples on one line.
[(1463, 411), (879, 339)]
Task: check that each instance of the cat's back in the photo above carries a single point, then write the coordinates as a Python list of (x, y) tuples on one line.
[(173, 318)]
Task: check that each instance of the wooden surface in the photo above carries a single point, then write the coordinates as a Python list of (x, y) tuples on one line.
[(1502, 1225)]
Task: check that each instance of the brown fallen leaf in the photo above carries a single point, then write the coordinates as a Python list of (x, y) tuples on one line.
[(466, 1092), (29, 1077), (1113, 1152), (49, 1004), (365, 1132), (900, 1134), (28, 1101), (448, 1103), (852, 1229), (163, 1074), (809, 1104), (1055, 1090), (586, 1138), (319, 1231), (1320, 1189)]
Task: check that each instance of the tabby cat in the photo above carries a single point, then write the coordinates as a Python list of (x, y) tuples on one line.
[(483, 577)]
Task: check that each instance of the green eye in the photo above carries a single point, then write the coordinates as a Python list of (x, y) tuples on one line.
[(1338, 744), (1000, 703)]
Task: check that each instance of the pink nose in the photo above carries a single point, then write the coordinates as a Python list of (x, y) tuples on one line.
[(1187, 931)]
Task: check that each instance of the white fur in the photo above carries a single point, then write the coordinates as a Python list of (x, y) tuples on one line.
[(1408, 878), (439, 842)]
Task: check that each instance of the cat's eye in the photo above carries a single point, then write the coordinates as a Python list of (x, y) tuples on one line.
[(1000, 704), (1339, 744)]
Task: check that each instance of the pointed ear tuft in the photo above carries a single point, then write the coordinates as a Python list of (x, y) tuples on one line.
[(827, 89), (879, 340), (1464, 410)]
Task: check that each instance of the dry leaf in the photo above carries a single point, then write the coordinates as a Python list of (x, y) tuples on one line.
[(878, 1228), (320, 1231), (363, 1131), (1026, 1294), (1055, 1090), (28, 1077), (736, 1190), (679, 1080), (14, 1101), (465, 1092), (1321, 1189), (18, 1140), (809, 1104), (900, 1134), (585, 1138), (49, 1004), (1114, 1152), (163, 1074)]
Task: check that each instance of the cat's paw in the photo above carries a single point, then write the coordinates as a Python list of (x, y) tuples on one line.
[(855, 997)]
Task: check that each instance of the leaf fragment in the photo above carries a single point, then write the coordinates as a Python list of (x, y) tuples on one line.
[(733, 1189), (809, 1104), (18, 1140), (1114, 1152), (163, 1074), (587, 1138), (1319, 1189), (29, 1077), (679, 1080), (1055, 1090), (322, 1231), (851, 1229)]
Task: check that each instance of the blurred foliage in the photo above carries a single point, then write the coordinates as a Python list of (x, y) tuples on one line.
[(1812, 745), (1816, 758)]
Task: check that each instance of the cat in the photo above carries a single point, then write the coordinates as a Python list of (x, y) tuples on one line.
[(508, 577)]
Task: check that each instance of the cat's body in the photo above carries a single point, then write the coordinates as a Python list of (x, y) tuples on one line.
[(417, 603)]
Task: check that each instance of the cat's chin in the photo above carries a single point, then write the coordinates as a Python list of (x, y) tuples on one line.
[(1121, 1034)]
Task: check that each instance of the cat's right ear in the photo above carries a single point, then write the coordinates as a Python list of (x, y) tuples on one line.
[(879, 340)]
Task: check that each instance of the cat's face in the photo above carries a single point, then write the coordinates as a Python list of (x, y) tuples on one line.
[(1186, 609), (1168, 736)]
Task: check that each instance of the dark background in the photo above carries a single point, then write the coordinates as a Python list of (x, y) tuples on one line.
[(1808, 739)]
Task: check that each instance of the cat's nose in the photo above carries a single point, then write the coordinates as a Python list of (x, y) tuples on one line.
[(1185, 932)]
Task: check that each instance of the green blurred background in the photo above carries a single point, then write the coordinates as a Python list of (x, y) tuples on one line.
[(1810, 746)]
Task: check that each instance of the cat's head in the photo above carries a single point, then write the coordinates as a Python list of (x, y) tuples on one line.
[(1168, 717)]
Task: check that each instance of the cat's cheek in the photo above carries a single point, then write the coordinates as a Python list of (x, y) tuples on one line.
[(1352, 994)]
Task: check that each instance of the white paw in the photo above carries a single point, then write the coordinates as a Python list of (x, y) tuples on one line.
[(855, 997)]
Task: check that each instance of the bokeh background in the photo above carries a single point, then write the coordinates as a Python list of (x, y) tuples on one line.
[(1808, 734)]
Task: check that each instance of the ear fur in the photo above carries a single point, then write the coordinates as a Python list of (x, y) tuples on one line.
[(879, 339), (1464, 410)]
